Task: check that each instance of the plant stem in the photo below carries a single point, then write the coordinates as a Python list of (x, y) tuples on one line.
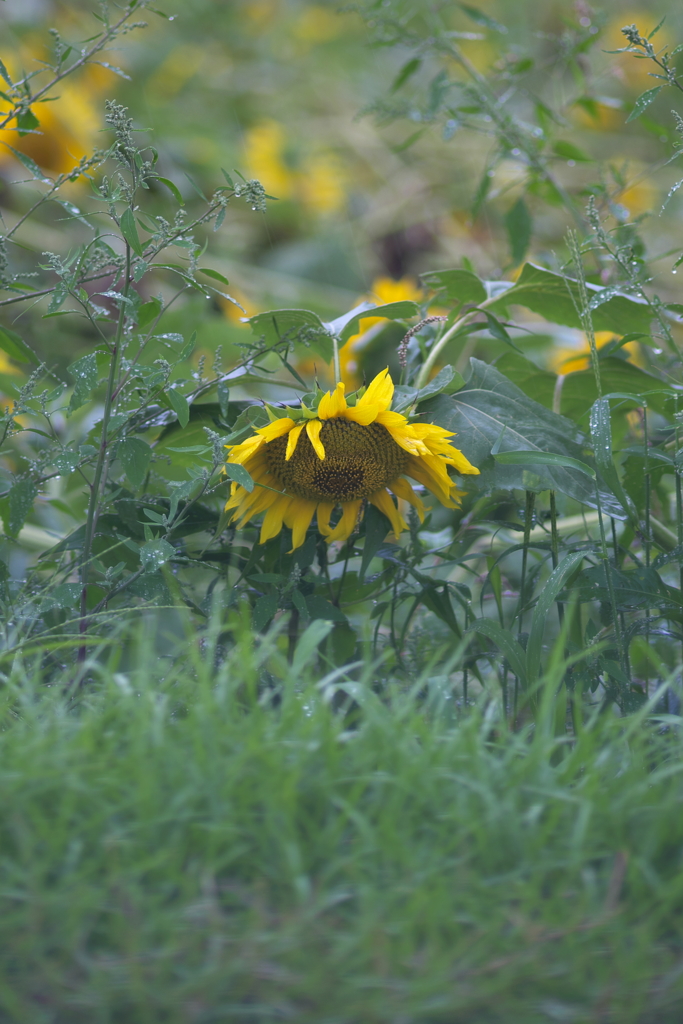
[(337, 363), (102, 458), (610, 586), (438, 346), (528, 516), (555, 548)]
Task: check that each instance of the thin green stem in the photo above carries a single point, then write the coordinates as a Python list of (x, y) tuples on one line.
[(610, 586), (439, 345), (528, 516), (337, 363)]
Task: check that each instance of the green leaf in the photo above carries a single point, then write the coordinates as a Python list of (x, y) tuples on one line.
[(403, 310), (321, 608), (129, 230), (5, 74), (536, 458), (482, 19), (643, 102), (601, 436), (148, 312), (15, 347), (155, 553), (550, 296), (84, 372), (30, 165), (263, 611), (490, 406), (173, 188), (406, 72), (548, 594), (180, 405), (18, 505), (506, 644), (568, 151), (134, 455), (240, 475), (458, 285), (215, 275), (447, 380), (294, 325), (377, 526), (518, 224), (27, 122)]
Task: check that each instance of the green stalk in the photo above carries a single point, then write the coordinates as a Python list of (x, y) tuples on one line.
[(584, 307), (555, 548), (528, 516), (610, 586), (102, 458), (648, 539), (438, 346), (335, 357)]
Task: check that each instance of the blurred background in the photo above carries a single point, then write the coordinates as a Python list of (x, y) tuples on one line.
[(375, 181)]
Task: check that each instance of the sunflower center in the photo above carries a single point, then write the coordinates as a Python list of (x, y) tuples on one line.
[(359, 460)]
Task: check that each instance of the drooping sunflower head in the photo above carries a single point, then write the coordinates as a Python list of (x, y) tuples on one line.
[(343, 453)]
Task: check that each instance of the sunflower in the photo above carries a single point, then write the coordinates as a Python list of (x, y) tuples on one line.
[(341, 454)]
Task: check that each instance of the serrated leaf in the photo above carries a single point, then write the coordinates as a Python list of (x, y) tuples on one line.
[(155, 553), (84, 373), (458, 285), (15, 347), (490, 406), (180, 405), (172, 187), (134, 455), (550, 296), (643, 102), (129, 230)]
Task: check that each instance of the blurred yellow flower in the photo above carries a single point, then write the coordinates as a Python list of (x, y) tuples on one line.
[(571, 360), (69, 123), (318, 183)]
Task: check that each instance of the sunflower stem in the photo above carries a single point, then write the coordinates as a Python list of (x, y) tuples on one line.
[(335, 357)]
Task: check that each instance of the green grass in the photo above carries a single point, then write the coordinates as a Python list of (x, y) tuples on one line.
[(185, 843)]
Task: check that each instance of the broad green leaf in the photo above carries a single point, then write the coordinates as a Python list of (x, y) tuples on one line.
[(403, 310), (643, 102), (129, 230), (27, 122), (148, 312), (263, 611), (490, 406), (548, 594), (180, 406), (457, 285), (321, 608), (519, 225), (172, 187), (84, 373), (15, 347), (294, 325), (506, 644), (536, 458), (447, 380), (18, 505), (549, 295), (135, 456), (240, 475)]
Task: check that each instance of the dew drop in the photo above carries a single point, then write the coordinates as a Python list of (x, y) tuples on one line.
[(673, 271)]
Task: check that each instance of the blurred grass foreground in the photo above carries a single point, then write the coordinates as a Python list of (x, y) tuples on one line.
[(353, 755)]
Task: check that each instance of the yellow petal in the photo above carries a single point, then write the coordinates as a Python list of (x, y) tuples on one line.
[(402, 489), (347, 523), (325, 509), (298, 517), (382, 501), (363, 415), (272, 521), (332, 404), (380, 392), (276, 429), (292, 440), (313, 428)]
